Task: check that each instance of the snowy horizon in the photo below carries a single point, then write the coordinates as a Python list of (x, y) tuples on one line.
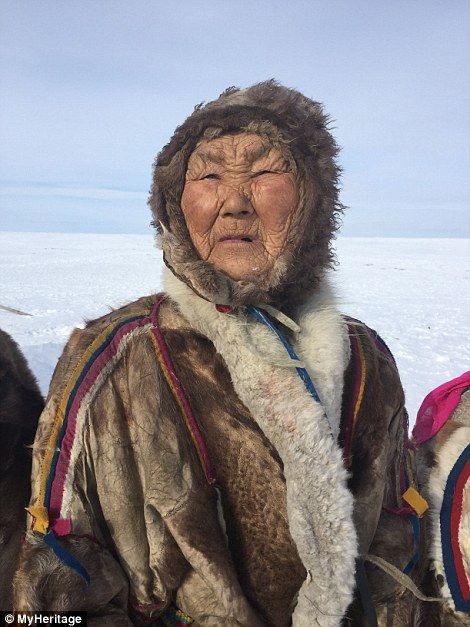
[(415, 292)]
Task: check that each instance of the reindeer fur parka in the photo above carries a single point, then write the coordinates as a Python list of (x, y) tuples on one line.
[(123, 470)]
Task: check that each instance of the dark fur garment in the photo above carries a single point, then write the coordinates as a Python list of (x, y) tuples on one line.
[(20, 406)]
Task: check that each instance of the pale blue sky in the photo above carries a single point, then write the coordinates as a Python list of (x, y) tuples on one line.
[(91, 90)]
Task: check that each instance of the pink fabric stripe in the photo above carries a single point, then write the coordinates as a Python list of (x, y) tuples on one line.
[(57, 490), (400, 511), (62, 527), (192, 423), (438, 406)]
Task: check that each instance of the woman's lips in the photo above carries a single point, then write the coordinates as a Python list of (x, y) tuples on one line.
[(237, 239)]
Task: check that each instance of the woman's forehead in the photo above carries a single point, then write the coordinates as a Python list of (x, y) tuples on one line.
[(247, 147)]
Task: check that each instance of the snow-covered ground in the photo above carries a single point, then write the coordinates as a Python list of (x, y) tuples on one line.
[(414, 292)]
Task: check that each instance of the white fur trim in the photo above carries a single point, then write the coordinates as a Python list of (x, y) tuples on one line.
[(319, 504), (323, 345)]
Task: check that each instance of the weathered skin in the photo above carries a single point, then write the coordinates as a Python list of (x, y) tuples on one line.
[(238, 188)]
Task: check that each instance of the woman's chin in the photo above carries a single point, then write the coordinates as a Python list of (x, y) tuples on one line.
[(240, 270), (240, 260)]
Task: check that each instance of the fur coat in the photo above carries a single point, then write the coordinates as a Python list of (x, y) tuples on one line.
[(275, 542)]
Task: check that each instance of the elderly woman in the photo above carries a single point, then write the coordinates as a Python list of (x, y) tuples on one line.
[(227, 453)]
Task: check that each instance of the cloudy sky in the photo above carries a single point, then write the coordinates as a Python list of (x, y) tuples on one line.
[(91, 90)]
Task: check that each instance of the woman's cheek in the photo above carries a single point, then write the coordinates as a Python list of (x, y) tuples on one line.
[(276, 198), (199, 204)]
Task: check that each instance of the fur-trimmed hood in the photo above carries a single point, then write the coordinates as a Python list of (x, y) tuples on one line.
[(286, 117)]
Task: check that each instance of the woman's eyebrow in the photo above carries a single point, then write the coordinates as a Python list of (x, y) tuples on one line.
[(211, 154), (251, 152)]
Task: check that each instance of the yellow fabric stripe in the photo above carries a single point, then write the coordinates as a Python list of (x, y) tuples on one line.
[(41, 522), (41, 518), (362, 384)]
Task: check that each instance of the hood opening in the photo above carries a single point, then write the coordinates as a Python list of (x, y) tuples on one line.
[(289, 120)]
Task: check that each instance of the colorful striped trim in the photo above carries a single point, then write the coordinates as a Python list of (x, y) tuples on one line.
[(379, 342), (163, 355), (382, 346), (51, 512), (355, 402), (175, 618), (451, 519), (57, 469)]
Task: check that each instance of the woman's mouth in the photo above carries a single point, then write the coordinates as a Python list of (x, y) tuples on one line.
[(236, 239)]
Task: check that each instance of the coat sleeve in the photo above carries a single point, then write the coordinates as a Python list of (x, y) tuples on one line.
[(43, 580), (120, 490), (381, 461)]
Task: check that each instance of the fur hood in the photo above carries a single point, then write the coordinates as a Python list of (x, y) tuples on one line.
[(285, 117)]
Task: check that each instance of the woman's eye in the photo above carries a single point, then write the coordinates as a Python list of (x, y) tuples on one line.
[(261, 172), (211, 177)]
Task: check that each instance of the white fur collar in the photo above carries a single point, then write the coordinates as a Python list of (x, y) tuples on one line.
[(319, 504)]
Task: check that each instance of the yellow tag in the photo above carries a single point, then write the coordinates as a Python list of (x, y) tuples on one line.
[(41, 518), (416, 501)]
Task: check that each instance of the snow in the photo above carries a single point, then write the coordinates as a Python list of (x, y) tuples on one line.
[(414, 292)]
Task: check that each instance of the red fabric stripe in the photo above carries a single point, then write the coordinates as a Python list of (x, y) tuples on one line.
[(189, 416), (347, 442), (455, 518)]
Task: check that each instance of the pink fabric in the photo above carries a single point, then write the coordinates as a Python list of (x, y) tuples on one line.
[(62, 527), (438, 406)]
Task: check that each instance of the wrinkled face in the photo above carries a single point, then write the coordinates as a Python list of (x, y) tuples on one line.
[(238, 201)]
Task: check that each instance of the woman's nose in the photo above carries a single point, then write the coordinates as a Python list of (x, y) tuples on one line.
[(236, 203)]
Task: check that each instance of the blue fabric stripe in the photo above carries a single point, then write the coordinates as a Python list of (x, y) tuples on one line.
[(302, 372), (82, 375), (415, 524), (65, 557), (461, 604)]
